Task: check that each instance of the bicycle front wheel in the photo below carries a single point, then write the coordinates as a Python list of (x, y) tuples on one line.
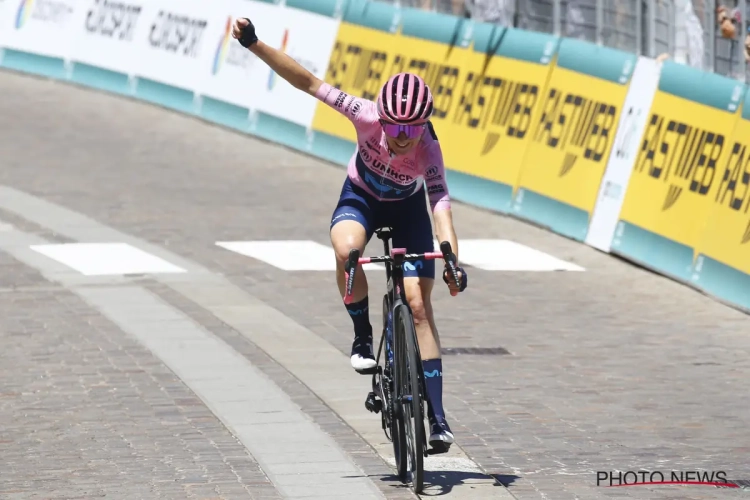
[(392, 406), (410, 366)]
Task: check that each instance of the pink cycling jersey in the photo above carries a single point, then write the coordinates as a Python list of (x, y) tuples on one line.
[(372, 167)]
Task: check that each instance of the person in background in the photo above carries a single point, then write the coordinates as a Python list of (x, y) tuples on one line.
[(455, 7), (728, 20), (689, 37), (498, 12)]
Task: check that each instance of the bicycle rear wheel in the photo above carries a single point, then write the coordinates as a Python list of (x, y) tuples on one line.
[(410, 365)]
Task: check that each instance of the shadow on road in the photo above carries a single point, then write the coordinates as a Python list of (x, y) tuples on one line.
[(439, 483)]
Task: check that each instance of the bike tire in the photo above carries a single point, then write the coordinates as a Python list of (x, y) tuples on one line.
[(412, 411), (398, 436)]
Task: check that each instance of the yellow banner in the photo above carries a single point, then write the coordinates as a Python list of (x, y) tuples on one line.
[(490, 134), (727, 234), (483, 119), (361, 61), (572, 138), (675, 176)]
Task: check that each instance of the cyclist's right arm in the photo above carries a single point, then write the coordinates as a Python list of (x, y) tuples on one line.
[(286, 67), (357, 110)]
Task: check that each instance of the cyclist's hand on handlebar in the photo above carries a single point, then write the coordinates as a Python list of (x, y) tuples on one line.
[(244, 31), (462, 278)]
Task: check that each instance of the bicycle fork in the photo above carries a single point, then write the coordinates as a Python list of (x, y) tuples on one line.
[(380, 399)]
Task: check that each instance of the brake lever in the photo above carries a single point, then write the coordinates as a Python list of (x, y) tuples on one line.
[(450, 260)]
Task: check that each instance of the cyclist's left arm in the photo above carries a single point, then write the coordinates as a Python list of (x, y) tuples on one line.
[(439, 197), (446, 232)]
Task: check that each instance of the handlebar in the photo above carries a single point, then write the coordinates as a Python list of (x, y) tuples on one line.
[(450, 261), (399, 256)]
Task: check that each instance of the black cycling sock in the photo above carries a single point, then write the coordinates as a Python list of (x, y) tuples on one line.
[(433, 381), (360, 314)]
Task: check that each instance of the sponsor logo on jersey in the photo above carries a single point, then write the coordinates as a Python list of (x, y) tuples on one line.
[(384, 181), (340, 99), (432, 174)]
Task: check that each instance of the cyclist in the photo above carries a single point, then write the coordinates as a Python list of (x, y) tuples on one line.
[(397, 152)]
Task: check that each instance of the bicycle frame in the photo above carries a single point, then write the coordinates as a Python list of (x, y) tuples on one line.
[(396, 405), (394, 260)]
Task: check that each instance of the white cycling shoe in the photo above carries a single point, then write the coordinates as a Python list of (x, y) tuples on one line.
[(441, 437), (362, 357)]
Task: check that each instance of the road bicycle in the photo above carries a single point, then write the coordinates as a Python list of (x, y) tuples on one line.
[(398, 388)]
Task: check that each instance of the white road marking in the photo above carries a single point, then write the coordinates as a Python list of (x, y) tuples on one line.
[(489, 255), (505, 255), (99, 259), (291, 255)]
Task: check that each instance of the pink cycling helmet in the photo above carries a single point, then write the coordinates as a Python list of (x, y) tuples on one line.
[(405, 99)]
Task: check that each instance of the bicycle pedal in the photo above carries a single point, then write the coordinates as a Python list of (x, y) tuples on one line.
[(373, 404)]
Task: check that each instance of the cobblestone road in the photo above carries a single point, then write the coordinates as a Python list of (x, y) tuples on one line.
[(608, 369), (86, 412)]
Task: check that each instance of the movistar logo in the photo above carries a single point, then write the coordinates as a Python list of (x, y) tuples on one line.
[(382, 187), (433, 373), (413, 266)]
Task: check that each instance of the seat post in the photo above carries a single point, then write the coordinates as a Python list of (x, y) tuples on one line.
[(384, 233)]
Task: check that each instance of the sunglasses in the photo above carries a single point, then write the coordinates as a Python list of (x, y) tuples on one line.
[(393, 130)]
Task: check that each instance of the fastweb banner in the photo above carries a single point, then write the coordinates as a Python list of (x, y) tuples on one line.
[(570, 143), (614, 185), (676, 178), (526, 122), (722, 266), (488, 84), (726, 237)]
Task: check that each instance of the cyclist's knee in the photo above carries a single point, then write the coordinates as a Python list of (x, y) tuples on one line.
[(418, 302), (345, 236), (419, 310)]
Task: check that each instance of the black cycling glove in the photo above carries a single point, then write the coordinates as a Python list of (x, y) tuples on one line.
[(464, 278), (248, 36)]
